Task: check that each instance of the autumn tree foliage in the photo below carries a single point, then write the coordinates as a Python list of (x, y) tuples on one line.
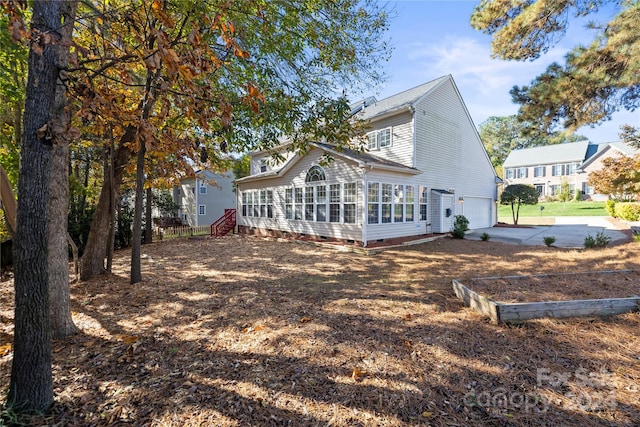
[(619, 178), (516, 195), (13, 79), (594, 82), (184, 83)]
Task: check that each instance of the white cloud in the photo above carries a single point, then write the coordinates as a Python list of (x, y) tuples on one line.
[(470, 63), (484, 82)]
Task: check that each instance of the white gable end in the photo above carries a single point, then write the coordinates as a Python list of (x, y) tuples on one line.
[(448, 148)]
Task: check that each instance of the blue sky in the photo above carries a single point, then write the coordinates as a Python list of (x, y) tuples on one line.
[(434, 38)]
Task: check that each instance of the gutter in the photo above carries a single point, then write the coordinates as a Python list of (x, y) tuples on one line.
[(387, 113), (406, 170), (251, 178)]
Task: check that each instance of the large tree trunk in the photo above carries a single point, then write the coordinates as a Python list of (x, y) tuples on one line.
[(147, 105), (92, 263), (112, 207), (59, 293), (136, 269), (31, 386), (148, 217)]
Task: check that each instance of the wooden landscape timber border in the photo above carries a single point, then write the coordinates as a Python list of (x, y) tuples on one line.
[(509, 312)]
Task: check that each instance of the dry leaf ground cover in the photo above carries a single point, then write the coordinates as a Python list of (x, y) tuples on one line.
[(244, 331)]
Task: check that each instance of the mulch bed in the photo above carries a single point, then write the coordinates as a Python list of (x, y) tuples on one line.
[(245, 331), (559, 287)]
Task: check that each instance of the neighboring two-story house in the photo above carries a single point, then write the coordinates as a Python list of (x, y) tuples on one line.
[(425, 164), (594, 162), (203, 199), (549, 167)]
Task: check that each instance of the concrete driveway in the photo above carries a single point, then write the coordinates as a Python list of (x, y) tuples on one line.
[(569, 231)]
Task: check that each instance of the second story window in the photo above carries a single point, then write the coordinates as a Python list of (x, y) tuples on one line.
[(384, 137), (378, 139), (263, 165), (523, 173), (539, 171), (203, 188), (510, 172), (564, 169), (372, 141)]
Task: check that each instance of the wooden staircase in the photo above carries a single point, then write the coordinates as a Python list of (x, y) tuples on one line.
[(224, 224)]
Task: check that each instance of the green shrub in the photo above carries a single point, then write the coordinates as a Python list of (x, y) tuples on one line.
[(600, 241), (549, 240), (610, 207), (460, 225), (627, 211), (485, 237), (577, 196)]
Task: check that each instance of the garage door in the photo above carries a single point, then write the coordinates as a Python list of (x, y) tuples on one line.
[(478, 212)]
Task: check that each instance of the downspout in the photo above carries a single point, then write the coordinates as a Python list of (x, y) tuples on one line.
[(237, 206), (415, 149), (365, 206), (197, 209)]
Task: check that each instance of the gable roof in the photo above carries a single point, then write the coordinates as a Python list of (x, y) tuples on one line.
[(370, 109), (362, 159), (365, 159), (558, 153), (621, 146), (625, 148)]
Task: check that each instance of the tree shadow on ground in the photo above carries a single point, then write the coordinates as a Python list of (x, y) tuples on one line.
[(254, 334)]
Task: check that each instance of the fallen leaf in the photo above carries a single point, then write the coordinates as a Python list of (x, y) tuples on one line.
[(357, 374), (5, 349), (427, 414), (407, 316), (127, 339), (305, 319), (254, 328), (407, 343)]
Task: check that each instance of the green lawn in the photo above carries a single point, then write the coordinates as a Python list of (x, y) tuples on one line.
[(556, 209)]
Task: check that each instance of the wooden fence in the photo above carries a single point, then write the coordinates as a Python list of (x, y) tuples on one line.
[(182, 231)]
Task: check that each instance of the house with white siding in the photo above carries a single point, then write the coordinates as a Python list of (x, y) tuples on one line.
[(424, 164)]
